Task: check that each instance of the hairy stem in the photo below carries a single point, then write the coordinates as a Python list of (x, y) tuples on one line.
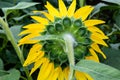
[(69, 41), (14, 44)]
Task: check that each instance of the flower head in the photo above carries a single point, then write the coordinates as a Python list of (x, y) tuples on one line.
[(48, 51)]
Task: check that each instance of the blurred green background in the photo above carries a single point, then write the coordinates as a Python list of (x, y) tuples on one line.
[(18, 12)]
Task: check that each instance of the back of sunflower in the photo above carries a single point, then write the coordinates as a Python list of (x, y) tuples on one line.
[(61, 39)]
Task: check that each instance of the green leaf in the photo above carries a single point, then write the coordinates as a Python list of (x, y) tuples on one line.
[(98, 71), (1, 64), (11, 56), (113, 57), (16, 29), (115, 47), (2, 73), (113, 1), (21, 17), (3, 39), (48, 37), (12, 74), (97, 8), (117, 19), (20, 5), (2, 32), (110, 7), (5, 4)]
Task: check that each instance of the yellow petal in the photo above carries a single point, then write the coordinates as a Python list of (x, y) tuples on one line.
[(52, 10), (83, 12), (40, 19), (66, 73), (33, 54), (88, 76), (28, 42), (71, 9), (51, 18), (101, 36), (34, 29), (93, 22), (97, 49), (91, 58), (30, 31), (93, 53), (43, 70), (54, 74), (61, 75), (62, 8), (27, 39), (50, 67), (98, 40), (50, 76), (24, 32), (95, 29), (34, 25), (80, 76), (37, 65)]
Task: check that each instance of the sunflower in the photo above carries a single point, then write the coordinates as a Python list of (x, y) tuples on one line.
[(51, 34)]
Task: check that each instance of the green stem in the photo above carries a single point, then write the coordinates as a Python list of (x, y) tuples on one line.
[(115, 25), (16, 47), (69, 41), (81, 3)]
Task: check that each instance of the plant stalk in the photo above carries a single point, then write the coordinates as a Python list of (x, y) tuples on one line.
[(81, 3), (14, 44), (69, 42)]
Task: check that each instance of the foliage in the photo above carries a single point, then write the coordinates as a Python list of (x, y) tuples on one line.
[(17, 13)]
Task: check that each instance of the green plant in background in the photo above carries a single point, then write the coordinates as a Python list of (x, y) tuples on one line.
[(55, 49), (10, 37)]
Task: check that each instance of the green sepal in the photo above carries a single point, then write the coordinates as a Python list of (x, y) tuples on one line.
[(50, 29), (82, 31), (77, 23), (67, 22), (80, 52), (59, 27), (62, 57)]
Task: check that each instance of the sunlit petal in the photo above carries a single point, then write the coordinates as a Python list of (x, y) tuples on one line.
[(28, 39), (80, 75), (91, 58), (33, 28), (33, 54), (94, 29), (52, 10), (66, 73), (93, 22), (54, 74), (40, 19), (61, 75), (45, 68), (71, 9), (101, 36), (98, 40), (50, 17), (83, 12), (97, 49), (93, 53), (88, 76), (37, 65), (62, 8)]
